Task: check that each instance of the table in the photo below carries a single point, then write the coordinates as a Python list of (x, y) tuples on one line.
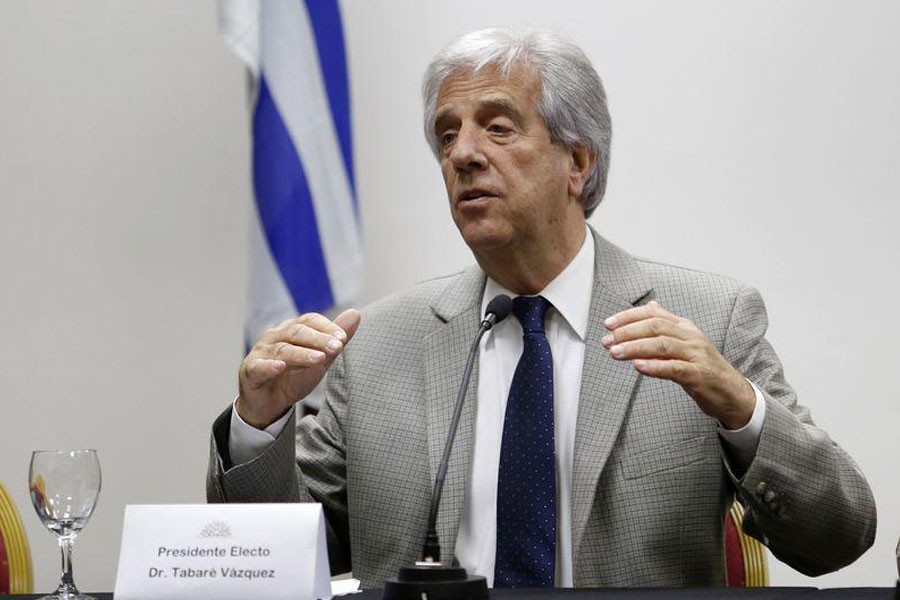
[(771, 593)]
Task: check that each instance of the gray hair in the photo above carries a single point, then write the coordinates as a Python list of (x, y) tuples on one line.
[(572, 101)]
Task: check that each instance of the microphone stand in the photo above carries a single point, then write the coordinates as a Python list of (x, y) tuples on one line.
[(429, 578)]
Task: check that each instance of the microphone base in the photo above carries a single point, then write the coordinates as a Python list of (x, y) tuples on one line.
[(434, 581)]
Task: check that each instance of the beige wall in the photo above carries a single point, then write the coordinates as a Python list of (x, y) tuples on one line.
[(754, 139)]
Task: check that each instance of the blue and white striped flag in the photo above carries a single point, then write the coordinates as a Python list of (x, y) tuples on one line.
[(305, 242)]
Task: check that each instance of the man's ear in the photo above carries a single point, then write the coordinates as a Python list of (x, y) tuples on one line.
[(583, 160)]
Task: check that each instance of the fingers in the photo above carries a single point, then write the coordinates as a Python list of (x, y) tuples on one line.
[(310, 340), (348, 321), (258, 371), (651, 332), (288, 362), (639, 313), (304, 328), (665, 346), (649, 328), (660, 347), (303, 341), (658, 343), (674, 370)]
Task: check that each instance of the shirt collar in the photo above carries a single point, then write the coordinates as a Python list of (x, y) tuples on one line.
[(569, 293)]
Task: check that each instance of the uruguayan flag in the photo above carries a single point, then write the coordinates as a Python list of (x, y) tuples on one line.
[(305, 244)]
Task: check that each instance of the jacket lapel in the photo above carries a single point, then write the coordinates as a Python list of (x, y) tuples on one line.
[(607, 385), (446, 350)]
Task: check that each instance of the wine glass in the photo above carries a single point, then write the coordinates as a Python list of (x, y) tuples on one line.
[(64, 488)]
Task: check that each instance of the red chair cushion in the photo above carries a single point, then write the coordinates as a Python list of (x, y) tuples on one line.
[(734, 556), (4, 567)]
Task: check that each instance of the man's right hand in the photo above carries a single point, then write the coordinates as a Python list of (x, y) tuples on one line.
[(288, 362)]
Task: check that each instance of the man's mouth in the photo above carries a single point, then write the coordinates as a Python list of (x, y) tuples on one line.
[(475, 194)]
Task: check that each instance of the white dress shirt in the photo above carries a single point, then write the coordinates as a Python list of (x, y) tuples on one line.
[(566, 327)]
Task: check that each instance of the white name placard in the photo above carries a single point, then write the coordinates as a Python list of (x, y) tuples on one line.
[(223, 551)]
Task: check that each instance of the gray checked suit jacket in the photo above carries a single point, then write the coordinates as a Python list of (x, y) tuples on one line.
[(651, 487)]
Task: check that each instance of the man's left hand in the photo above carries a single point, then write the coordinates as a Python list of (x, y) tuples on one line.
[(666, 346)]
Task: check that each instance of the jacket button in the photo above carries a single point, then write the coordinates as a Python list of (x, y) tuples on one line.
[(761, 488)]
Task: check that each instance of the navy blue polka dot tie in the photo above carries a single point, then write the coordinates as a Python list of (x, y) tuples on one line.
[(526, 486)]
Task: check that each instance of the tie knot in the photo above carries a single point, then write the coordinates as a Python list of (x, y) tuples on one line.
[(530, 311)]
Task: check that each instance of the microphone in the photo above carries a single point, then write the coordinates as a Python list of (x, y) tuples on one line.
[(497, 310), (430, 578)]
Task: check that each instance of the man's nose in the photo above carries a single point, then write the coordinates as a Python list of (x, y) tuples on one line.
[(466, 154)]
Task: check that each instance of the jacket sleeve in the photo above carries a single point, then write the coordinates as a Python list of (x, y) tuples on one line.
[(306, 463), (806, 499)]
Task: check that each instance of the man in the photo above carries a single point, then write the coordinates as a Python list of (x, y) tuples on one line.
[(646, 399)]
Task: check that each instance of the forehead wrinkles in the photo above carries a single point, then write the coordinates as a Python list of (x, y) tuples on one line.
[(501, 88), (495, 103)]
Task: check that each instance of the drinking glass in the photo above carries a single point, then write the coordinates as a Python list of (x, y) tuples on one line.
[(64, 488)]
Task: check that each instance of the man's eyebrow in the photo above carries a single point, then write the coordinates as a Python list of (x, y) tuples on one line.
[(503, 105), (498, 104), (442, 115)]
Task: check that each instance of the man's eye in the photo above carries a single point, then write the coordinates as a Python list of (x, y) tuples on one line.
[(447, 138), (497, 128)]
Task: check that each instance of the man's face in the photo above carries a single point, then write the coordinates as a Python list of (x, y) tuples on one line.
[(509, 186)]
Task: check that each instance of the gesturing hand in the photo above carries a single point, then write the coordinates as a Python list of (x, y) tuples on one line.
[(666, 346), (288, 362)]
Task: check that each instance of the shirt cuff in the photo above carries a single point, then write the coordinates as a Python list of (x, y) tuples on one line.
[(246, 442), (742, 443)]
